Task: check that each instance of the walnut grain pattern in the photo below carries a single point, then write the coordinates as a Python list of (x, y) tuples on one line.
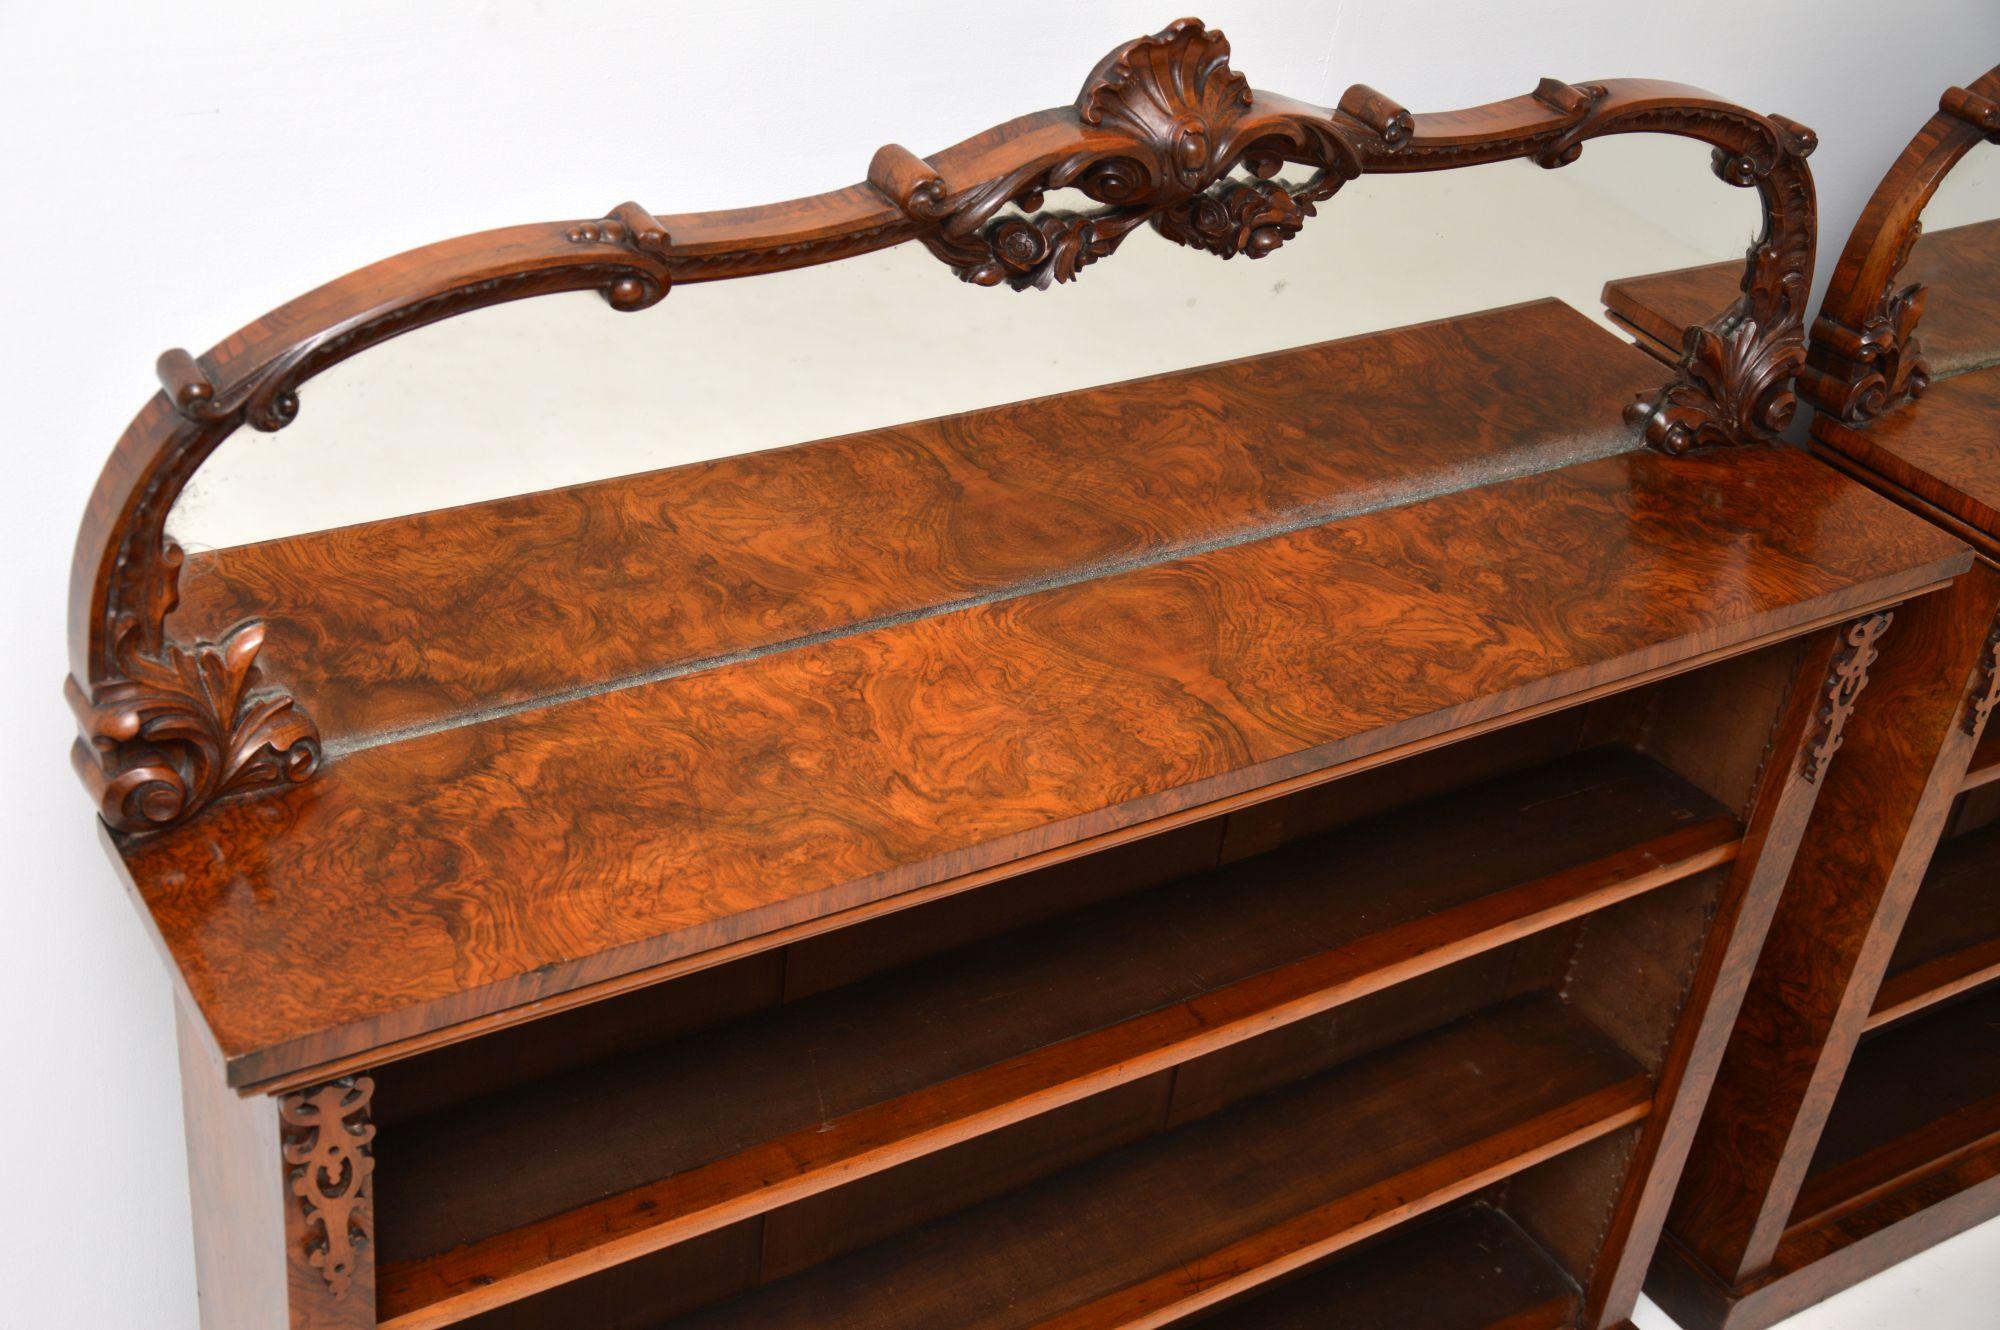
[(442, 877)]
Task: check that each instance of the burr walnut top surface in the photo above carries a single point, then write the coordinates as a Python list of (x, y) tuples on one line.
[(580, 735), (1942, 450)]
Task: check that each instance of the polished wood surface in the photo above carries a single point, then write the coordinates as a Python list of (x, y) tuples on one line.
[(1471, 1268), (1235, 1200), (1959, 267), (423, 620), (419, 884), (1940, 451), (810, 1096)]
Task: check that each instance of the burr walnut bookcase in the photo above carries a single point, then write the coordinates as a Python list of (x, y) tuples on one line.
[(1856, 1117), (1277, 843)]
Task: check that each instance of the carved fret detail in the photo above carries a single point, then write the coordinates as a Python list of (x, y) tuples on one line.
[(1988, 697), (1844, 683), (327, 1136)]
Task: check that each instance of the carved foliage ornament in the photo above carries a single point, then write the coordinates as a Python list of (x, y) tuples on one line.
[(179, 727), (1844, 683), (1868, 359), (1736, 372), (327, 1137), (1167, 121)]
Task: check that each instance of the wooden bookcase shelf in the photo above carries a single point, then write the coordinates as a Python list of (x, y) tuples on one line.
[(1919, 1096), (825, 1089), (1951, 941), (1093, 861), (1468, 1268), (1215, 1207)]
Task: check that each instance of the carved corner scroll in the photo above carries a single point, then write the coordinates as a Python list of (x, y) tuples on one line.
[(327, 1145), (1163, 133), (1736, 375), (1844, 682), (166, 728), (180, 727), (1865, 356)]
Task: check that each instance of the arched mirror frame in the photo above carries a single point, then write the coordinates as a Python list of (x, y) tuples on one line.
[(1155, 136), (1865, 355)]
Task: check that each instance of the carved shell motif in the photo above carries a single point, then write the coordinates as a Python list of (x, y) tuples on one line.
[(1170, 120)]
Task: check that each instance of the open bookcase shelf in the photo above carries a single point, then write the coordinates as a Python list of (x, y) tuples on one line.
[(1951, 942), (1468, 1268), (830, 1087), (1212, 1208), (1916, 1127)]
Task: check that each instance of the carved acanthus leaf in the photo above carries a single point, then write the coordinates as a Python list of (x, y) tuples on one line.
[(1734, 384), (181, 726), (327, 1143)]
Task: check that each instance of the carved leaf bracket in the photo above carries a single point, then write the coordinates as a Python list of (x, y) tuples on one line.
[(1163, 133)]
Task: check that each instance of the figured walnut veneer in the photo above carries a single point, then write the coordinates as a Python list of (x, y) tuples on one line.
[(433, 880), (1156, 136), (417, 621)]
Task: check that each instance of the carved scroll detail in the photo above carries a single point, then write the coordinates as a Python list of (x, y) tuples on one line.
[(1172, 120), (1734, 383), (1844, 683), (1988, 698), (181, 727), (1865, 357), (327, 1138), (1887, 360)]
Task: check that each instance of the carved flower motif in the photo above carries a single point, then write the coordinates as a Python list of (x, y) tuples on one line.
[(1019, 245)]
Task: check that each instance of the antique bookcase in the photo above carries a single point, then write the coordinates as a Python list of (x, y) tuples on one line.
[(1281, 842), (1856, 1115)]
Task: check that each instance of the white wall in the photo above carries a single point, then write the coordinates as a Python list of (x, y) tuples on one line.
[(173, 170)]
